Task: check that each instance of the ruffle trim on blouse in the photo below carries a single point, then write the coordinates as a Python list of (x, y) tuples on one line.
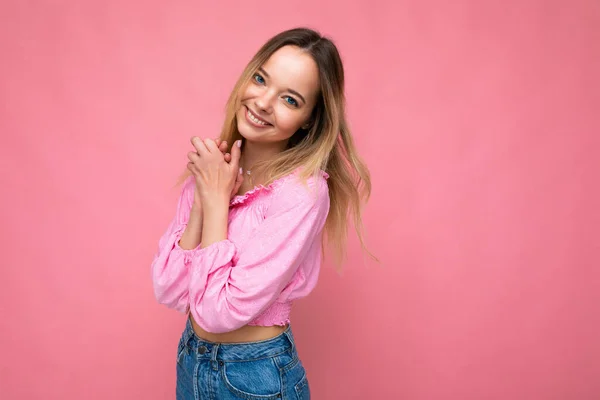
[(281, 322), (257, 190)]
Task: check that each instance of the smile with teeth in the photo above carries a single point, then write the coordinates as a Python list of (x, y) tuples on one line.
[(255, 119)]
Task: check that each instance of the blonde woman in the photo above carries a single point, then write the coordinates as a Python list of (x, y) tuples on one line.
[(256, 207)]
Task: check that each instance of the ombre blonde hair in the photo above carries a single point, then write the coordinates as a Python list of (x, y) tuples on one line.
[(326, 145)]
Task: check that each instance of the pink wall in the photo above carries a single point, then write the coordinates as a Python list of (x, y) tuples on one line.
[(480, 123)]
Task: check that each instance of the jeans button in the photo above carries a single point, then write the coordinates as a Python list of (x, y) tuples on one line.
[(202, 349)]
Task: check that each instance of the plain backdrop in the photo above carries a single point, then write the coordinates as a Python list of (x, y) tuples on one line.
[(479, 121)]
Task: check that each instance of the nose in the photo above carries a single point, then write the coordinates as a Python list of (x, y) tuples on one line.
[(264, 102)]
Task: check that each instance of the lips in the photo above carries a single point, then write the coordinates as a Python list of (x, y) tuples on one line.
[(255, 118)]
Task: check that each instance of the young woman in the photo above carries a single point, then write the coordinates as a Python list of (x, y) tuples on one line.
[(249, 229)]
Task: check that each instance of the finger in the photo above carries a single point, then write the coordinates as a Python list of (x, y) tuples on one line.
[(238, 181), (223, 146), (192, 167), (218, 142), (227, 157), (211, 145), (199, 145), (193, 156), (236, 153), (240, 178)]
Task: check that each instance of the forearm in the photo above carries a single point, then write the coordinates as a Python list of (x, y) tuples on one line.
[(215, 221), (192, 235)]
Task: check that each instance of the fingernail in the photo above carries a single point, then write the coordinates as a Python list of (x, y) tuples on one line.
[(240, 170), (239, 143)]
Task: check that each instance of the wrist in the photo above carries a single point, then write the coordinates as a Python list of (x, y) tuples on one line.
[(214, 223), (215, 201)]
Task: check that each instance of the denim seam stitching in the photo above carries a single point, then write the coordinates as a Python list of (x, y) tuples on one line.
[(254, 359), (291, 364), (298, 387)]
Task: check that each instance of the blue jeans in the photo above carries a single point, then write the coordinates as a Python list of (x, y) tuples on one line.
[(264, 370)]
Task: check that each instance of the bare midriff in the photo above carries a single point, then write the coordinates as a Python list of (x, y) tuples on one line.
[(245, 334)]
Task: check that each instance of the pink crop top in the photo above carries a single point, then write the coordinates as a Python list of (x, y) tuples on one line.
[(271, 257)]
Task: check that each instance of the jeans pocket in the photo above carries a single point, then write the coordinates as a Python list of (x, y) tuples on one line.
[(252, 380), (287, 360), (302, 389)]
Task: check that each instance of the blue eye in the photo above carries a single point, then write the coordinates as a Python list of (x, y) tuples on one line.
[(291, 101), (258, 79)]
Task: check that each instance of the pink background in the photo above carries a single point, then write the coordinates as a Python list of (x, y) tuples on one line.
[(479, 120)]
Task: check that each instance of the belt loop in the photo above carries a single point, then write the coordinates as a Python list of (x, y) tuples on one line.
[(213, 357), (187, 335), (213, 354), (290, 337)]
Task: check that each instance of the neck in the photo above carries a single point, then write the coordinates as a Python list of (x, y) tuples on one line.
[(256, 152)]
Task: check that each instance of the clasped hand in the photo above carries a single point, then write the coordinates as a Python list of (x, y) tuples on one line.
[(217, 173)]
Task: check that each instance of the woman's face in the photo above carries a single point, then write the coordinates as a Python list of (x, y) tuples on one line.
[(279, 98)]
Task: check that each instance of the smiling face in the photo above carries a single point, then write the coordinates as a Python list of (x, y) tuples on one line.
[(280, 97)]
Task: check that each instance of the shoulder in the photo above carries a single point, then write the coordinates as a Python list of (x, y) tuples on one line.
[(296, 190)]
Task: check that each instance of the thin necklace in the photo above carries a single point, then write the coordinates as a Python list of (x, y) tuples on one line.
[(248, 172)]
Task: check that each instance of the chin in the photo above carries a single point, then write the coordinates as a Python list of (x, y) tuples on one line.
[(245, 130)]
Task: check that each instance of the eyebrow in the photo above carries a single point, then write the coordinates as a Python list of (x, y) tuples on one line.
[(288, 89)]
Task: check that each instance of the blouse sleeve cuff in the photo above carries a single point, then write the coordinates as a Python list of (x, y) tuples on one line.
[(216, 255), (178, 234), (187, 254)]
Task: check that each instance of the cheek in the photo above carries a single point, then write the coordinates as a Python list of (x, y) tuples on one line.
[(250, 92), (288, 120)]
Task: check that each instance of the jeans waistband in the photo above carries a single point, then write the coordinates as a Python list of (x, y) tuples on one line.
[(238, 351)]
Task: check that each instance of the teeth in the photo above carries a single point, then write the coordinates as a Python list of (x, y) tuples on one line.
[(254, 119)]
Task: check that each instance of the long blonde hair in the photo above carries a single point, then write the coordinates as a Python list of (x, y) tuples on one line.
[(326, 145)]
